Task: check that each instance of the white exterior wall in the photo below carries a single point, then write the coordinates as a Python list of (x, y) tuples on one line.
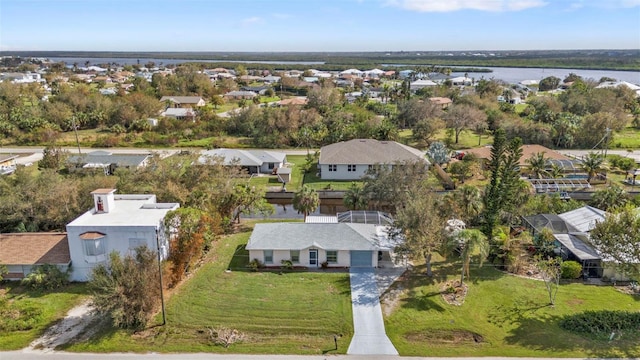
[(344, 257), (342, 172), (116, 239), (264, 169)]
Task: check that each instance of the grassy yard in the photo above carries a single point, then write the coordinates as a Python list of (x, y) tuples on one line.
[(467, 139), (292, 313), (629, 138), (502, 316), (39, 311)]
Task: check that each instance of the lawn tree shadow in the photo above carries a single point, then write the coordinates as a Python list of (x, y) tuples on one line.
[(423, 301), (531, 328), (240, 259)]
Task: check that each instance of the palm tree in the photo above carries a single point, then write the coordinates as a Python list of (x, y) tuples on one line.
[(467, 242), (469, 199), (355, 198), (306, 201), (556, 171), (592, 164), (537, 165)]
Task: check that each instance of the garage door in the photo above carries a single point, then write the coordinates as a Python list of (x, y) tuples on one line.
[(361, 258)]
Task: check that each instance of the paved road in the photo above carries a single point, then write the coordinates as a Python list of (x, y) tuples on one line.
[(634, 154), (20, 355), (369, 336)]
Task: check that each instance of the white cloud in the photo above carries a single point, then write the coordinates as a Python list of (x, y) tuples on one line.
[(252, 20), (455, 5)]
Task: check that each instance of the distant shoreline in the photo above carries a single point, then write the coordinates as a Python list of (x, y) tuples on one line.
[(620, 60)]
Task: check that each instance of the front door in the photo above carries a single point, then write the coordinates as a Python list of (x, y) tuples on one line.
[(313, 257)]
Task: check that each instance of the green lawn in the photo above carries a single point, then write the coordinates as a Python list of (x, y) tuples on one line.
[(292, 313), (502, 316), (467, 139), (629, 138), (39, 310)]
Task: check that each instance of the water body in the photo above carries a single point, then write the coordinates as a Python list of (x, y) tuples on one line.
[(142, 61), (515, 75)]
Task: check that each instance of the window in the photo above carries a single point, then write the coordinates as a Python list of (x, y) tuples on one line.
[(332, 256), (268, 256), (351, 168), (271, 166), (295, 256), (94, 247), (370, 167), (333, 167)]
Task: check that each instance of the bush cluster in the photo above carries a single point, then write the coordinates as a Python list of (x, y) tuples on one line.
[(47, 277), (602, 323), (570, 269)]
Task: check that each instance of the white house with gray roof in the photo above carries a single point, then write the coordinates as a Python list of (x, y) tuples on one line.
[(254, 161), (106, 161), (118, 223), (311, 244), (350, 160)]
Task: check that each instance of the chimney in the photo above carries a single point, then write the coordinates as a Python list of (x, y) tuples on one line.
[(103, 200)]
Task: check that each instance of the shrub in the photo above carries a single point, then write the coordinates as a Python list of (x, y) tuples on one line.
[(286, 264), (601, 323), (47, 277), (126, 289), (570, 269), (225, 336), (255, 264)]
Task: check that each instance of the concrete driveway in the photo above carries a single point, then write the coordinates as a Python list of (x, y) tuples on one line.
[(369, 336)]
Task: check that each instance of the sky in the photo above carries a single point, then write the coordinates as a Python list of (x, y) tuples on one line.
[(318, 25)]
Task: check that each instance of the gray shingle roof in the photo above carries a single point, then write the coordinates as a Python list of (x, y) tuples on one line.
[(245, 157), (298, 236), (181, 99), (367, 152), (102, 157)]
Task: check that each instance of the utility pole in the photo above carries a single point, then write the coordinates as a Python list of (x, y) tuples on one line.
[(75, 130), (164, 316)]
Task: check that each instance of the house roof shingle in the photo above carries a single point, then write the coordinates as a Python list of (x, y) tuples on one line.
[(368, 151), (328, 236), (34, 248), (182, 99)]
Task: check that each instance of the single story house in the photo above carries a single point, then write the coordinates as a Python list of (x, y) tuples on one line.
[(310, 245), (118, 223), (106, 161), (179, 113), (299, 101), (240, 94), (421, 84), (571, 232), (21, 253), (443, 102), (183, 101), (254, 161), (350, 160)]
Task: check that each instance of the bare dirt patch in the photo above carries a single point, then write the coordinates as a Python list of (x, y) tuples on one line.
[(452, 337), (78, 322), (390, 299)]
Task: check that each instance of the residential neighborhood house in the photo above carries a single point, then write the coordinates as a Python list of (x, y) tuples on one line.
[(118, 223), (254, 161), (350, 160), (106, 161), (183, 101), (21, 253), (312, 244)]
